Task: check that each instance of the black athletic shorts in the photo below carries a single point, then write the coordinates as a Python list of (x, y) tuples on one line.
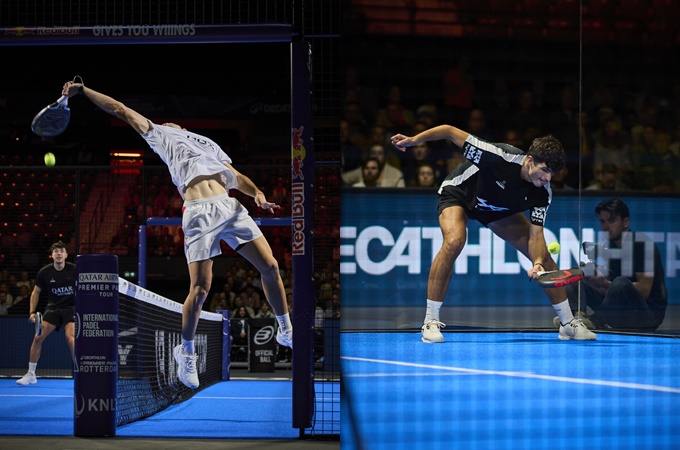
[(453, 196), (59, 315)]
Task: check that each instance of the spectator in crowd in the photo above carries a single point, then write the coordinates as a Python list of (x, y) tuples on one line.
[(252, 299), (612, 146), (370, 172), (239, 334), (607, 177), (395, 117), (4, 304), (428, 113), (4, 289), (654, 166), (352, 144), (365, 95), (23, 295), (627, 291), (563, 123), (418, 154), (25, 280), (559, 180), (477, 125), (675, 141), (238, 303), (265, 312), (388, 176), (425, 176), (459, 90), (525, 118)]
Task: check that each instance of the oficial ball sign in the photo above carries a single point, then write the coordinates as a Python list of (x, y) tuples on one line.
[(262, 345), (264, 335)]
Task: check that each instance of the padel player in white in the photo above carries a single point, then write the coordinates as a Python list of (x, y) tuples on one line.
[(495, 186), (203, 175)]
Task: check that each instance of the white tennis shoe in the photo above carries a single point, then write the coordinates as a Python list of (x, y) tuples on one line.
[(431, 332), (186, 368), (586, 321), (285, 337), (576, 330), (27, 379)]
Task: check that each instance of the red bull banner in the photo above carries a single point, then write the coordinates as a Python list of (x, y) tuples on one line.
[(145, 34), (302, 218)]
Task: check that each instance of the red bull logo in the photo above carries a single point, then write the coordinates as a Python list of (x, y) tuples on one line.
[(19, 31), (298, 191), (299, 153)]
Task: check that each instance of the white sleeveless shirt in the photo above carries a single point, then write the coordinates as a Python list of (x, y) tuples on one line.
[(189, 155)]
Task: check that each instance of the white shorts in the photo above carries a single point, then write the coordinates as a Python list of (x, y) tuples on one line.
[(207, 221)]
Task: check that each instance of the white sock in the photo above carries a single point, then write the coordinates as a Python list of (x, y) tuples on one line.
[(31, 367), (187, 347), (284, 322), (564, 312), (432, 311)]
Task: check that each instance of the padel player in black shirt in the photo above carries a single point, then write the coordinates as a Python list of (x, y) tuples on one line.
[(496, 185), (59, 281)]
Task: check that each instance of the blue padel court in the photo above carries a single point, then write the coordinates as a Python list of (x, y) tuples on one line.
[(509, 390), (237, 409)]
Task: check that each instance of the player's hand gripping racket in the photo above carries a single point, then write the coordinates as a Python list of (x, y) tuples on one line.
[(53, 119), (38, 324), (559, 278)]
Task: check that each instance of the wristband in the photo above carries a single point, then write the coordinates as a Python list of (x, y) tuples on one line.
[(81, 89), (33, 312)]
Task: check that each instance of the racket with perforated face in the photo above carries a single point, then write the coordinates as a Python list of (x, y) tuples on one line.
[(38, 324), (53, 119), (559, 278)]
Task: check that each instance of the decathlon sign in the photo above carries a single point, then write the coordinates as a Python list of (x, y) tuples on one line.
[(389, 238)]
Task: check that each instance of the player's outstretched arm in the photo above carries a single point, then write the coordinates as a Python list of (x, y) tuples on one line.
[(247, 186), (451, 133), (110, 105)]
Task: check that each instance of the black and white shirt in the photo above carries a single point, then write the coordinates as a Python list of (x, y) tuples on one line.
[(489, 184)]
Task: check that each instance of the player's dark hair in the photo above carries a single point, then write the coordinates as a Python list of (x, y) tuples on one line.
[(548, 150), (58, 244), (615, 207)]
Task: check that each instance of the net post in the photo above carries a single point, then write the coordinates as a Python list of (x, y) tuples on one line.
[(96, 346), (226, 344), (141, 261), (303, 162)]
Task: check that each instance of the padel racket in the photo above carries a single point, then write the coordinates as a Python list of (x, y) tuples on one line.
[(38, 324), (53, 119), (559, 278)]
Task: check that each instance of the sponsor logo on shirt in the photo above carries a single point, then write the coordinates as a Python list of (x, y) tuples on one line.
[(482, 205), (538, 213), (472, 153)]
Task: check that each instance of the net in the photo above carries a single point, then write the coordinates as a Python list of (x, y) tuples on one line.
[(149, 328)]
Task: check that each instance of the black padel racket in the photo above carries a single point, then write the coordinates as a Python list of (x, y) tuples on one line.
[(53, 119), (559, 278)]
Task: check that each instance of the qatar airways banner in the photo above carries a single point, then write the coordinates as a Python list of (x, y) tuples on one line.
[(388, 238)]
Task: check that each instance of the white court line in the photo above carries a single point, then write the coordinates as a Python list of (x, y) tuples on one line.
[(36, 395), (617, 384), (240, 398)]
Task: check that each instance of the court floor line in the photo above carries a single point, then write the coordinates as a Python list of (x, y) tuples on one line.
[(616, 384), (36, 395)]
